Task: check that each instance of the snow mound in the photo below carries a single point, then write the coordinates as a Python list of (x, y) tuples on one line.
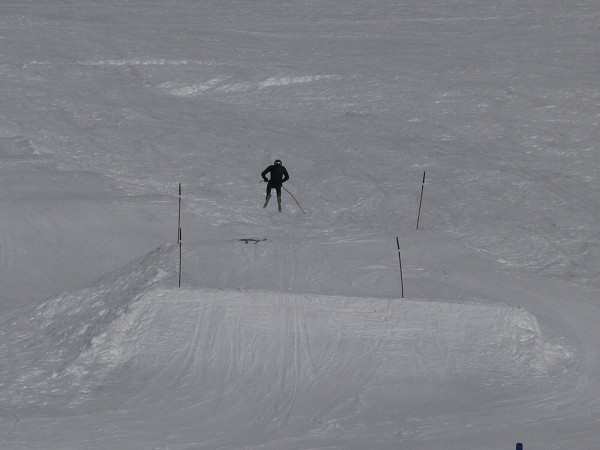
[(401, 339), (50, 349), (239, 365), (84, 341)]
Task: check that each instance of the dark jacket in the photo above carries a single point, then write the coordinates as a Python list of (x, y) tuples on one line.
[(279, 175)]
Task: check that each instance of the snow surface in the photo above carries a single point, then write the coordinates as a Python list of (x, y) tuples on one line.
[(289, 330)]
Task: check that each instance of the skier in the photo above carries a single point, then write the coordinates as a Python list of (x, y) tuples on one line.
[(279, 175)]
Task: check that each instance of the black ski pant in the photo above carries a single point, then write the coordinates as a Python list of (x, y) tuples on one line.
[(277, 189)]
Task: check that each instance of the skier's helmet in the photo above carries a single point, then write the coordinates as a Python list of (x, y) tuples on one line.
[(277, 162)]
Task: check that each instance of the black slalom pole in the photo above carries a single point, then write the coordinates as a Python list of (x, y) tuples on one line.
[(179, 234), (179, 217), (400, 261), (421, 200)]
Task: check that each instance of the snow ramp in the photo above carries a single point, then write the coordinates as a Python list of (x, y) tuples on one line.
[(130, 363), (49, 354)]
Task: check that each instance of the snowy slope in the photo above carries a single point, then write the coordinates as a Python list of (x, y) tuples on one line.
[(289, 331)]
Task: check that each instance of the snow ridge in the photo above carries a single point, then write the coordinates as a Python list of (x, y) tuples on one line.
[(228, 85)]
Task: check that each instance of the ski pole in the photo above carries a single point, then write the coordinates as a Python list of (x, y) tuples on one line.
[(294, 199)]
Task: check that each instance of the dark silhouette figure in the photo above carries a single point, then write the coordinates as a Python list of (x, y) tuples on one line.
[(279, 175)]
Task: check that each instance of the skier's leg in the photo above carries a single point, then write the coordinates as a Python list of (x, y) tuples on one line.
[(267, 200), (268, 196), (279, 198)]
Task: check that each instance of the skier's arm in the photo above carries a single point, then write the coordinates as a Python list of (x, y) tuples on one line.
[(285, 175), (265, 172)]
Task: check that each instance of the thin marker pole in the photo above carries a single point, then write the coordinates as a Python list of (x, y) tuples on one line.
[(179, 234), (179, 217), (400, 261), (179, 257), (421, 200)]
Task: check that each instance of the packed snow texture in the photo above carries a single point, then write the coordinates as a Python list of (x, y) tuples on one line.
[(289, 330)]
